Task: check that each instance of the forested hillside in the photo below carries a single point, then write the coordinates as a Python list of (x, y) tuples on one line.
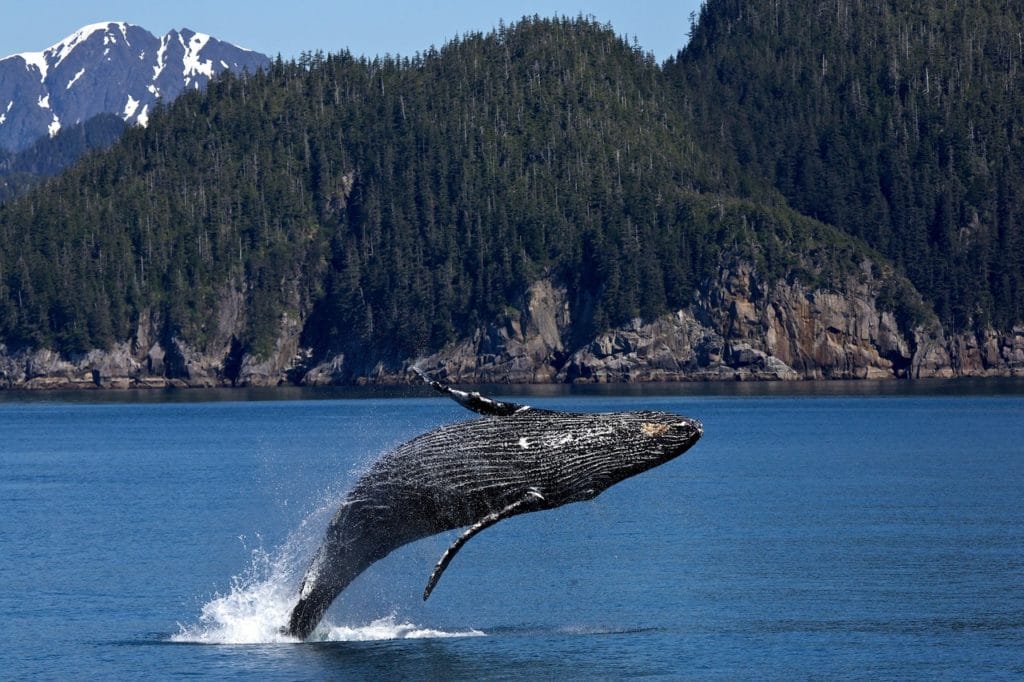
[(544, 195), (395, 203), (900, 122)]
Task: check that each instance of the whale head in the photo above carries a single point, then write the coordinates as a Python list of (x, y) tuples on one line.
[(622, 445)]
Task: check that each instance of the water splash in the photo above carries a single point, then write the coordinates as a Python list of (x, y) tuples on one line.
[(257, 607), (254, 610), (385, 628)]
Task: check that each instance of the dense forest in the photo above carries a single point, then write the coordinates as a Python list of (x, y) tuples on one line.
[(902, 123), (398, 203), (408, 200)]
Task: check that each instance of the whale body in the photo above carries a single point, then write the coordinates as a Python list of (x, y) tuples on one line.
[(512, 460)]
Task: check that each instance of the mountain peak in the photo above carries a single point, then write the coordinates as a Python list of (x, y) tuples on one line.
[(107, 67), (59, 51)]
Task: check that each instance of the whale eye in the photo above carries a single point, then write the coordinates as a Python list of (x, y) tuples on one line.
[(653, 430)]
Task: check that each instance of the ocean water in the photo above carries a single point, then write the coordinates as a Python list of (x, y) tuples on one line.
[(815, 533)]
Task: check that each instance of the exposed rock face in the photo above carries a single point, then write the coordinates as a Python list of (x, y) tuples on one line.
[(675, 347), (782, 330), (523, 348), (739, 327), (986, 354), (156, 358), (274, 370)]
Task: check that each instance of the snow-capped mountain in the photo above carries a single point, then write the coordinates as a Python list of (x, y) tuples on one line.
[(110, 67)]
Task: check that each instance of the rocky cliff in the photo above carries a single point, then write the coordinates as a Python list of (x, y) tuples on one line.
[(739, 327)]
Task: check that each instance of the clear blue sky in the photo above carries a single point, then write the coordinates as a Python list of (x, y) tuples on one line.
[(367, 27)]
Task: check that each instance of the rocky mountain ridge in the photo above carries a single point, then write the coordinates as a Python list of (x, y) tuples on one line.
[(107, 67)]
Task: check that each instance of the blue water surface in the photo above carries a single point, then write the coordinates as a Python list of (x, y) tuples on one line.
[(824, 536)]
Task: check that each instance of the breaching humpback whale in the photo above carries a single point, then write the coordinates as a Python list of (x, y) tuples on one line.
[(512, 460)]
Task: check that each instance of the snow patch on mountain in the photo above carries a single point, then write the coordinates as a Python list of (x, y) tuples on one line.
[(36, 59), (77, 76), (159, 67), (129, 108), (193, 63), (64, 48)]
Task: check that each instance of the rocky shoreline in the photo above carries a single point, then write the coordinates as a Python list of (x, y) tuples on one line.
[(738, 328)]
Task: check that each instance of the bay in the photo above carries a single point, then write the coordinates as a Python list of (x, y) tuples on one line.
[(822, 530)]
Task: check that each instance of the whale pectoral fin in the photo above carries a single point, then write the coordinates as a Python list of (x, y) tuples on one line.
[(480, 404), (530, 500)]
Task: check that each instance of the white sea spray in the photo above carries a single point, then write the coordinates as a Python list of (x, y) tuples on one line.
[(259, 601)]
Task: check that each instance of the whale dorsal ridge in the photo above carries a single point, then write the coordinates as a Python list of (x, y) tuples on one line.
[(474, 401)]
